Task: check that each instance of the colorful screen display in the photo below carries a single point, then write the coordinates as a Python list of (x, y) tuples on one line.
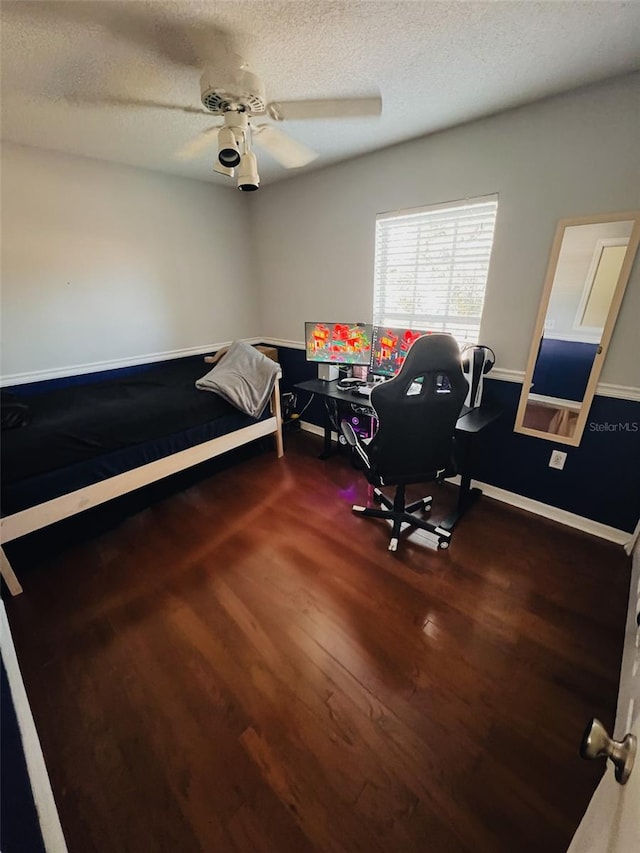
[(390, 347), (338, 343)]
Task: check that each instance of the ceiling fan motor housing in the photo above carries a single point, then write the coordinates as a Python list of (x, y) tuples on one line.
[(222, 91)]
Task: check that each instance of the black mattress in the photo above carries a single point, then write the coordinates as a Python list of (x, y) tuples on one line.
[(84, 433)]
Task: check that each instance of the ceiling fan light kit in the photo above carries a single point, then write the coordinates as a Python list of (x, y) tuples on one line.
[(222, 90), (248, 178), (222, 170), (228, 151), (234, 150)]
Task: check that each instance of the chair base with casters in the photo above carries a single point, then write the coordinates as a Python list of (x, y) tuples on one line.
[(396, 510), (399, 513)]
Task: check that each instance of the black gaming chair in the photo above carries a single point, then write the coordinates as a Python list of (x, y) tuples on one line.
[(417, 412)]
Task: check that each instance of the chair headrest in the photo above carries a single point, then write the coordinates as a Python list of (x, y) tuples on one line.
[(432, 352)]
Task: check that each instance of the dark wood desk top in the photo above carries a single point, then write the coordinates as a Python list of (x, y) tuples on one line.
[(330, 389), (473, 421), (478, 419)]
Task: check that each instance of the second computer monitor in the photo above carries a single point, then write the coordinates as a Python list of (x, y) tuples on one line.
[(389, 348)]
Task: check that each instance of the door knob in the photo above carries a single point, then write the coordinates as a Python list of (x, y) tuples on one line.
[(596, 743)]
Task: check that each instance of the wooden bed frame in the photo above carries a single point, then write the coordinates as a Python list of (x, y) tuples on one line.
[(35, 517)]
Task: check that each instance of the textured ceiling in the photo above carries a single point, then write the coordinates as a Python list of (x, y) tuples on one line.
[(436, 64)]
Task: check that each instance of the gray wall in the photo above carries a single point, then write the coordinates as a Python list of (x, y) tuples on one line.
[(573, 155), (104, 262)]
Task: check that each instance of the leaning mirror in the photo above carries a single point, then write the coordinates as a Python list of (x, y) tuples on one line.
[(590, 262)]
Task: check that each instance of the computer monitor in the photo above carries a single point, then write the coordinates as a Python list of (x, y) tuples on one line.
[(390, 347), (338, 343)]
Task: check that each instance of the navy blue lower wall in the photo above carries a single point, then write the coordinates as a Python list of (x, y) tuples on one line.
[(19, 826), (295, 368), (601, 477), (576, 359)]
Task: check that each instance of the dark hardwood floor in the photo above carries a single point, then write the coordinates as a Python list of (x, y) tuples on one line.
[(245, 667)]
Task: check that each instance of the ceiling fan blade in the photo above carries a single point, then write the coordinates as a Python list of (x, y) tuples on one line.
[(116, 101), (288, 152), (325, 108), (195, 147), (223, 170)]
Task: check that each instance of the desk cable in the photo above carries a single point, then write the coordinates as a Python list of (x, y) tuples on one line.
[(295, 416), (300, 414)]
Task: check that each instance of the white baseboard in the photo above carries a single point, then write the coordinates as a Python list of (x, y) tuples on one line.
[(316, 430), (281, 342), (40, 784), (504, 375), (620, 392), (112, 364), (570, 519), (98, 366)]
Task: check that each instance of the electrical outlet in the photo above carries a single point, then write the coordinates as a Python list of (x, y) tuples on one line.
[(558, 458)]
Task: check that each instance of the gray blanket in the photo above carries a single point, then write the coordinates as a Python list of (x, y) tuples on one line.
[(244, 377)]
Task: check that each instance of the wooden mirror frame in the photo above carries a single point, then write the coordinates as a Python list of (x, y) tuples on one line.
[(607, 331)]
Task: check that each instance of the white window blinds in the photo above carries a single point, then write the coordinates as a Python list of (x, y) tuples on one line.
[(431, 267)]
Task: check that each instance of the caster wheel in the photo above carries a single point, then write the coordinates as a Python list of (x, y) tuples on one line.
[(443, 543), (393, 545)]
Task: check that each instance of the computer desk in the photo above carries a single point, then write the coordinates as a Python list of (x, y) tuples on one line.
[(467, 426)]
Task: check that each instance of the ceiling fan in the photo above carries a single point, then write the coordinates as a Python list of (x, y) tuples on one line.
[(239, 96), (229, 90)]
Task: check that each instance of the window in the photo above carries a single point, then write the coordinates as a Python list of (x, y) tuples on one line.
[(431, 267)]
